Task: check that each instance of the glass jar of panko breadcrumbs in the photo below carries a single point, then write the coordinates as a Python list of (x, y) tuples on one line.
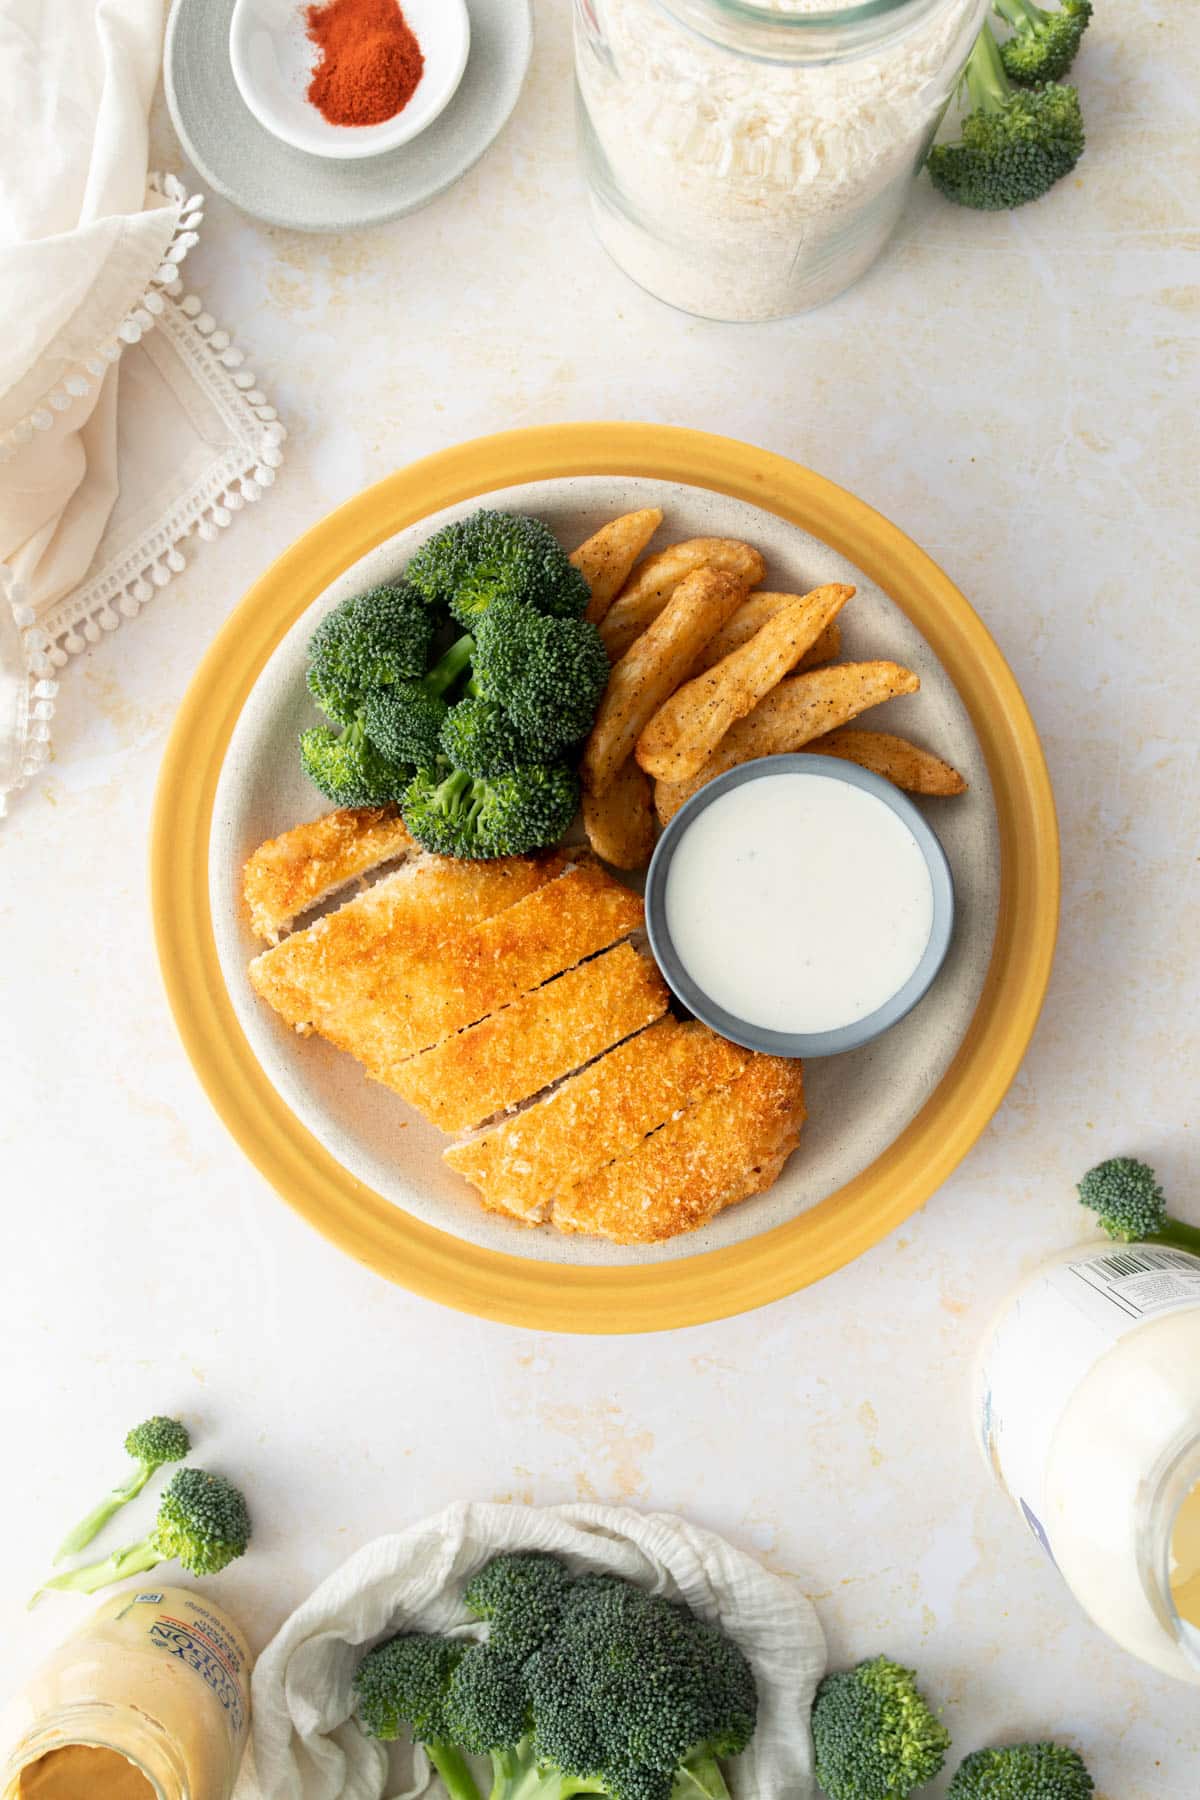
[(748, 159), (148, 1700)]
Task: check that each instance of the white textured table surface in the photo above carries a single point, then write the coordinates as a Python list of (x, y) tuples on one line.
[(1019, 393)]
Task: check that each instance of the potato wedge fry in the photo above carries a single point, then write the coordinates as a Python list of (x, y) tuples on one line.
[(655, 580), (620, 822), (799, 709), (653, 668), (605, 559), (687, 728), (917, 771), (750, 617)]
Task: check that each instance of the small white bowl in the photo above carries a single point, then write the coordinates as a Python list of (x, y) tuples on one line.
[(273, 59)]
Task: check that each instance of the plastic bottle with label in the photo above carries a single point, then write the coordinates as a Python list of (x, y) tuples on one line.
[(1088, 1404), (148, 1700)]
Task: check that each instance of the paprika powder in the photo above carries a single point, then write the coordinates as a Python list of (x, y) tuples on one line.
[(370, 61)]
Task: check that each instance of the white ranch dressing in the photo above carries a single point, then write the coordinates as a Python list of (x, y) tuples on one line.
[(799, 903)]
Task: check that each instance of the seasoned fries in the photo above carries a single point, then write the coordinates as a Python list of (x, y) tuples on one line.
[(653, 668), (907, 765), (750, 617), (605, 559), (799, 709), (654, 581), (620, 822), (687, 729)]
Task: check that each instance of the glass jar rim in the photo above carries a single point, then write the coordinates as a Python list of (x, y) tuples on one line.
[(762, 32)]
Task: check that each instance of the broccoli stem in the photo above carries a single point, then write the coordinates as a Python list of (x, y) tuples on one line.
[(446, 671), (700, 1778), (135, 1559), (987, 83), (98, 1518), (517, 1775), (454, 1770), (1019, 13), (1177, 1236)]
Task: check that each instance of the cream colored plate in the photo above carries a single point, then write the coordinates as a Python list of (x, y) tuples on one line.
[(858, 1104)]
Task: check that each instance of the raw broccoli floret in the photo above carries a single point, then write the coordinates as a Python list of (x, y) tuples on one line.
[(347, 767), (1022, 1772), (203, 1524), (874, 1735), (639, 1693), (479, 737), (1043, 44), (547, 674), (370, 641), (1132, 1206), (497, 556), (1015, 144), (403, 1685), (457, 814), (151, 1445), (521, 1595), (404, 722)]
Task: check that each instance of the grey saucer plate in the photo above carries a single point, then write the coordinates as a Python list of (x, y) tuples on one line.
[(239, 158), (797, 1043)]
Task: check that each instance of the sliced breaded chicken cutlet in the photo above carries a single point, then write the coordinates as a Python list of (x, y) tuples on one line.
[(290, 874), (731, 1145), (603, 1112), (535, 1041), (437, 947)]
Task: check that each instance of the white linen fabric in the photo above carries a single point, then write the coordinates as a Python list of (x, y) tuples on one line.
[(307, 1745), (126, 418)]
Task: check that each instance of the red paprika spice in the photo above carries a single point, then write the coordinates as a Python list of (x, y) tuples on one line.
[(370, 61)]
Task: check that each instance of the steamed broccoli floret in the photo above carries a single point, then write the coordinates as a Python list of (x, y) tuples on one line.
[(547, 674), (639, 1693), (874, 1735), (370, 641), (403, 1685), (1043, 44), (1022, 1772), (521, 1595), (505, 815), (152, 1444), (404, 722), (479, 737), (203, 1524), (1131, 1205), (497, 556), (1015, 144), (347, 767)]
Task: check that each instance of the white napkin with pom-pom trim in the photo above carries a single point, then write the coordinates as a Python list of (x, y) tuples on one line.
[(127, 419), (307, 1745)]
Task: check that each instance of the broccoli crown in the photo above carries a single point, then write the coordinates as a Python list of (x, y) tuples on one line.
[(521, 1595), (348, 769), (632, 1687), (1015, 145), (1022, 1772), (157, 1441), (490, 556), (1126, 1195), (873, 1733), (370, 641), (508, 815), (486, 1706), (203, 1522), (404, 723), (1044, 44), (403, 1684), (547, 674), (479, 738)]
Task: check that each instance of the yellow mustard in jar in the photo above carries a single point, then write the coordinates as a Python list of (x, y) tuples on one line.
[(148, 1700)]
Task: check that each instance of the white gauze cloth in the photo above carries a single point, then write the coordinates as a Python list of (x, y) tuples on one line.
[(307, 1745), (127, 420)]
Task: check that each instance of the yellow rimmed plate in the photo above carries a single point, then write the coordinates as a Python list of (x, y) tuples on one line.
[(314, 1164)]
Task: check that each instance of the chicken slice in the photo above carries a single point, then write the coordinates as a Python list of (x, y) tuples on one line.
[(290, 874)]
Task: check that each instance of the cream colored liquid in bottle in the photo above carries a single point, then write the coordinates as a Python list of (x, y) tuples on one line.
[(148, 1700)]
